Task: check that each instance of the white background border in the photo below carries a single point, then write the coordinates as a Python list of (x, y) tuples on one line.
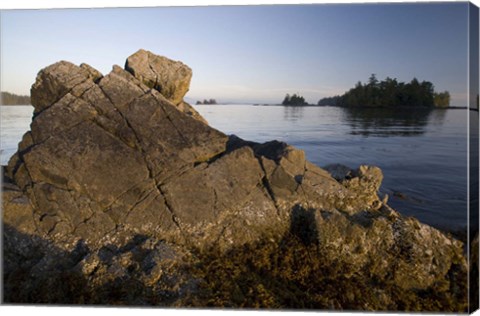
[(94, 311)]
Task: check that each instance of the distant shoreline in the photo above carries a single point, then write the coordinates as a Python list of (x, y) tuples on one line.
[(371, 107), (316, 105), (16, 105)]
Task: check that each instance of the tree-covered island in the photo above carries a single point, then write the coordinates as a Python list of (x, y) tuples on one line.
[(8, 98), (294, 99), (210, 101), (390, 93)]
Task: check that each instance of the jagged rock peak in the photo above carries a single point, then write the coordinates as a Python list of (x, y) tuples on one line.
[(150, 71), (170, 78)]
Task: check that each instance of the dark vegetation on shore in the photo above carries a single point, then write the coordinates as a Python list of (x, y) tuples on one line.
[(294, 99), (390, 93), (289, 274), (205, 101), (8, 98)]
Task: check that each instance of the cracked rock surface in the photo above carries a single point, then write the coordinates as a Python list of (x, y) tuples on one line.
[(119, 177)]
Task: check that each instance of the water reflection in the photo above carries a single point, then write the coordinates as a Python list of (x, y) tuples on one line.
[(474, 168), (292, 113), (385, 122)]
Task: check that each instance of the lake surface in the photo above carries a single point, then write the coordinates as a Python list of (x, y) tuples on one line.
[(14, 122), (423, 153)]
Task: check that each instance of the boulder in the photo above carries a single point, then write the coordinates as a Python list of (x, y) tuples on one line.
[(121, 186), (170, 78)]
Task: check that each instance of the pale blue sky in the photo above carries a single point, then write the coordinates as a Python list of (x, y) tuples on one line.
[(251, 53)]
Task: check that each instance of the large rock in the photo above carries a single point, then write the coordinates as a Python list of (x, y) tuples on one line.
[(119, 180), (170, 78)]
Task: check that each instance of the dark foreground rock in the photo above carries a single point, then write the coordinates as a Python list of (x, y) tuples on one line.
[(121, 194)]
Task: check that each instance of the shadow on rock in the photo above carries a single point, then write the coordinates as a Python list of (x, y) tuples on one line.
[(35, 271), (290, 273), (302, 225), (138, 273)]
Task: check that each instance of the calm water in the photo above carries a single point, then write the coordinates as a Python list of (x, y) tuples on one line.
[(14, 122), (422, 153)]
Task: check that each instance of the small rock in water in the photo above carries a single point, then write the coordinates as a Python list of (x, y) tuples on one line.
[(339, 172)]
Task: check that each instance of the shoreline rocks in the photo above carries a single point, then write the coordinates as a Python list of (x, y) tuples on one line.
[(119, 181)]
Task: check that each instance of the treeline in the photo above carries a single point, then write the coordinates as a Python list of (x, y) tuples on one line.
[(8, 98), (294, 100), (211, 101), (390, 93)]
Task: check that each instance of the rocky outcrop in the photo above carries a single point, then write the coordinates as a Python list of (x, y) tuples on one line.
[(170, 78), (121, 186)]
